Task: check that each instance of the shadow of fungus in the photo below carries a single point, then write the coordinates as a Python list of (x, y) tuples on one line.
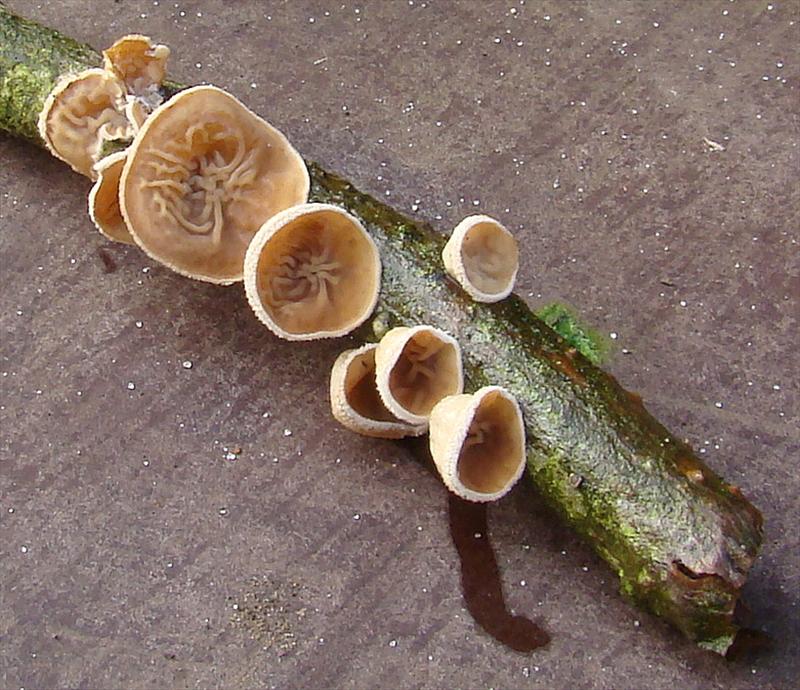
[(480, 579)]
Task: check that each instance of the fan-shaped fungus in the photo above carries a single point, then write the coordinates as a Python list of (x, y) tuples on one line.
[(80, 114), (202, 176), (355, 402), (478, 443), (104, 199), (415, 368), (483, 257), (140, 64), (312, 271)]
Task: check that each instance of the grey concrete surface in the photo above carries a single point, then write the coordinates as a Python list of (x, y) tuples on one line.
[(134, 554)]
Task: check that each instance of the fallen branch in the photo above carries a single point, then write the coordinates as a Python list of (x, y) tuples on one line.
[(680, 538)]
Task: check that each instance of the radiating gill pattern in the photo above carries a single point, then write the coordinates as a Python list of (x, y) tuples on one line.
[(90, 116), (416, 371), (478, 433), (196, 177), (81, 123), (304, 277)]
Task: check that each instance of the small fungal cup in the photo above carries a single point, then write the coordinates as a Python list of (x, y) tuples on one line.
[(355, 401), (415, 368), (140, 64), (483, 257), (478, 443), (311, 272)]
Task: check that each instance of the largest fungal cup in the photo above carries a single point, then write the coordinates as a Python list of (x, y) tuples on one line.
[(311, 272), (201, 177)]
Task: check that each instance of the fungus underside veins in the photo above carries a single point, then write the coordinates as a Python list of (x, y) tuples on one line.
[(615, 475)]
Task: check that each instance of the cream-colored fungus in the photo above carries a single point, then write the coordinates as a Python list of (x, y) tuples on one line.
[(478, 443), (355, 401), (81, 113), (415, 368), (483, 257), (312, 272), (104, 199), (202, 176), (141, 65)]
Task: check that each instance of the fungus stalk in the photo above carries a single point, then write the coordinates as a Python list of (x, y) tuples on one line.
[(590, 442)]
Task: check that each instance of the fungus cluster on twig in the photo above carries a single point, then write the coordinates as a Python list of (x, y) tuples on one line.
[(214, 192), (99, 105), (411, 382)]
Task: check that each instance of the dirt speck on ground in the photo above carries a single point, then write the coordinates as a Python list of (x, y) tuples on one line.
[(270, 611)]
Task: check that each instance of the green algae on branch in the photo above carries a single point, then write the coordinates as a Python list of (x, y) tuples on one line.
[(680, 538), (565, 321), (32, 60)]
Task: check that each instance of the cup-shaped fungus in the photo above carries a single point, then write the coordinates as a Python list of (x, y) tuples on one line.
[(80, 114), (483, 257), (478, 443), (312, 271), (415, 367), (104, 199), (355, 401), (202, 175), (140, 64)]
